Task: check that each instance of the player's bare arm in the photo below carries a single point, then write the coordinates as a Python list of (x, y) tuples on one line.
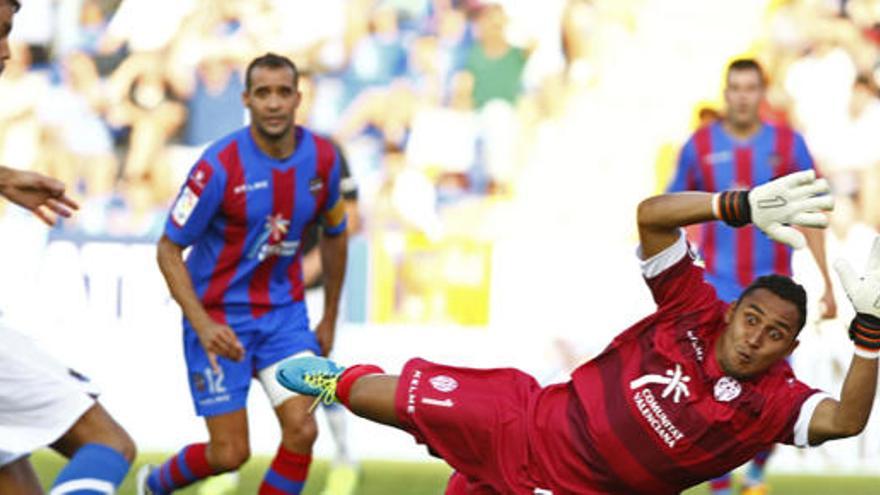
[(660, 218), (848, 417), (816, 244), (334, 253), (777, 207), (216, 338), (44, 196)]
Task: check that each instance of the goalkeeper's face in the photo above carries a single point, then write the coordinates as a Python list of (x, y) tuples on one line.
[(761, 329)]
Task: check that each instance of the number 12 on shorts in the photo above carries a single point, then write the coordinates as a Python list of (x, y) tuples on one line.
[(215, 381)]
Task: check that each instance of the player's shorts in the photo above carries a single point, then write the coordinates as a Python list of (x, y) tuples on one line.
[(40, 399), (273, 337), (476, 420)]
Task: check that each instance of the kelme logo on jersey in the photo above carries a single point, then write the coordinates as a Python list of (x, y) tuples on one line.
[(271, 242)]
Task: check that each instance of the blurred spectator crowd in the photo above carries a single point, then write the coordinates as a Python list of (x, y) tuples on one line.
[(458, 117)]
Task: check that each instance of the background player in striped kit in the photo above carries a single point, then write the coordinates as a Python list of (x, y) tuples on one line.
[(741, 151), (244, 209)]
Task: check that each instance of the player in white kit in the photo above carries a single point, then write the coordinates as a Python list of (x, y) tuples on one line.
[(43, 403)]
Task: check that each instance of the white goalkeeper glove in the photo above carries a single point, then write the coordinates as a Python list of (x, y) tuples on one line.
[(794, 199), (864, 293)]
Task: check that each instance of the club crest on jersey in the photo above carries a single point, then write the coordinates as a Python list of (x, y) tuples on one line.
[(271, 241), (727, 389), (443, 383), (315, 185)]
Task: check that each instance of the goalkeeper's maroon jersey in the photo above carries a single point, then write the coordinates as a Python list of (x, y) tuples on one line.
[(657, 413)]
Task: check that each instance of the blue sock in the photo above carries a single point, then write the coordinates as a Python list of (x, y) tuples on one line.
[(94, 470)]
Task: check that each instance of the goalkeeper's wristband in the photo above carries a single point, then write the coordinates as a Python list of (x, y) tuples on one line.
[(732, 207), (864, 331)]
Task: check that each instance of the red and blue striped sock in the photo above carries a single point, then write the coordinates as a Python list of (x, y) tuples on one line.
[(755, 471), (721, 485), (287, 474), (185, 468)]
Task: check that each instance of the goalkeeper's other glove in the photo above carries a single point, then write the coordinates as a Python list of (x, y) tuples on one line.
[(795, 199), (864, 293)]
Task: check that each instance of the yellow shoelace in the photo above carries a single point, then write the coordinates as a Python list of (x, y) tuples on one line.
[(324, 382)]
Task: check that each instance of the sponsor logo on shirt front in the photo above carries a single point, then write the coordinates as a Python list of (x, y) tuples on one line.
[(271, 241), (675, 384)]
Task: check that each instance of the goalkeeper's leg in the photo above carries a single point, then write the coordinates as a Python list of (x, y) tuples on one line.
[(364, 389)]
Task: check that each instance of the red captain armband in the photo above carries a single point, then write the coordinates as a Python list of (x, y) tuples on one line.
[(732, 207), (864, 331)]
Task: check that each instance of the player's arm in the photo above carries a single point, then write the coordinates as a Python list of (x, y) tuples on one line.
[(848, 417), (816, 244), (803, 160), (311, 261), (197, 203), (661, 218), (217, 339), (333, 248), (43, 196), (798, 199)]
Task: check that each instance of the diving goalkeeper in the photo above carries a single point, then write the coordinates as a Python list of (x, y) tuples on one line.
[(686, 394)]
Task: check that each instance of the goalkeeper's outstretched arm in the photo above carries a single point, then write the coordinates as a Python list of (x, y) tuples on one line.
[(848, 417), (795, 199)]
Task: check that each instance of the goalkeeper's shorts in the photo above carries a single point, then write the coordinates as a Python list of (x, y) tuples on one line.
[(475, 420)]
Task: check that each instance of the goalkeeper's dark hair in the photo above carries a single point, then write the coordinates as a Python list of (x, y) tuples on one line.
[(273, 61), (785, 288), (15, 4)]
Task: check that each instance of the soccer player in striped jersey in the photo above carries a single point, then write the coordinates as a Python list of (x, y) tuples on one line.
[(687, 393), (741, 151), (243, 209)]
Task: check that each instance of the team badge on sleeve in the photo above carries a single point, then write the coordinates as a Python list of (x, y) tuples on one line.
[(184, 206)]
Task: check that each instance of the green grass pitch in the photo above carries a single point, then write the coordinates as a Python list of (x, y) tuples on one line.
[(426, 478)]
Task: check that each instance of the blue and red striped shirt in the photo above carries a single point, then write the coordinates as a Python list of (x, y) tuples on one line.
[(712, 161), (244, 214)]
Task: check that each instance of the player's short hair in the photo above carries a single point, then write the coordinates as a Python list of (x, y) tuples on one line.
[(15, 4), (785, 288), (271, 60), (747, 64)]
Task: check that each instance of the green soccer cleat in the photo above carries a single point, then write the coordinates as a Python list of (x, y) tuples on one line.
[(311, 375)]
